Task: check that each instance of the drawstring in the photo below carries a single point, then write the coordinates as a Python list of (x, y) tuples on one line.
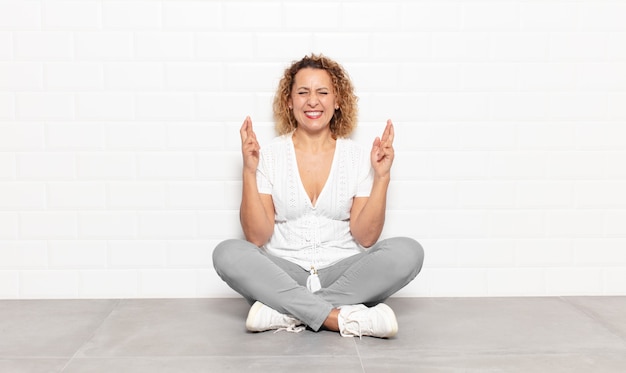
[(313, 281)]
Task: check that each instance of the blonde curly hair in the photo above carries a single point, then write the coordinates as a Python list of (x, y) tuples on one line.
[(344, 120)]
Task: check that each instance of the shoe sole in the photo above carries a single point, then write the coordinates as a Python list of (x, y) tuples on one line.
[(251, 316), (390, 316)]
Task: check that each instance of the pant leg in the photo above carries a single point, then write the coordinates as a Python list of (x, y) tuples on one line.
[(273, 281), (372, 276)]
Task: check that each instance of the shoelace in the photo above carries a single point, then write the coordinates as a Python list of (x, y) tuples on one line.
[(290, 329), (349, 323), (360, 334)]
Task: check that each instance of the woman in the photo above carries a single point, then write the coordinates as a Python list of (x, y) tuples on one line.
[(312, 211)]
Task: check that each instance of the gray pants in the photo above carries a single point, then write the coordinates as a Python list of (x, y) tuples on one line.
[(368, 278)]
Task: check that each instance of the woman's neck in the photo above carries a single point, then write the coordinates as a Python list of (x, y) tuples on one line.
[(313, 143)]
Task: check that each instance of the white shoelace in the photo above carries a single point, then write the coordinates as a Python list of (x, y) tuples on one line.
[(290, 329), (351, 330), (351, 324)]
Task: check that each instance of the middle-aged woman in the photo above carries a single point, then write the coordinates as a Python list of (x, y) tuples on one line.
[(312, 211)]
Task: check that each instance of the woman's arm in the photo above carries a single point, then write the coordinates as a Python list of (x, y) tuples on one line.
[(256, 212), (367, 216)]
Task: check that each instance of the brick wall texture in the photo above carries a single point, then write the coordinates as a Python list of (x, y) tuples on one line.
[(119, 144)]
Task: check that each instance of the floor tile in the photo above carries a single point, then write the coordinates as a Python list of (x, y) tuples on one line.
[(49, 328), (200, 327), (300, 364), (32, 365), (496, 325), (531, 363), (610, 311), (548, 334)]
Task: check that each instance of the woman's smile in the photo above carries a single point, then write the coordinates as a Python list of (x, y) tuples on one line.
[(313, 114)]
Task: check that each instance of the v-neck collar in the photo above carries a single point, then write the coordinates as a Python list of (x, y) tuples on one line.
[(294, 160)]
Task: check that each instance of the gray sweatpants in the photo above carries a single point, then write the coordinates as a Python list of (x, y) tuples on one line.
[(368, 278)]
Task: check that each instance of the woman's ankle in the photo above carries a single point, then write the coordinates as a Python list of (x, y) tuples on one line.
[(332, 321)]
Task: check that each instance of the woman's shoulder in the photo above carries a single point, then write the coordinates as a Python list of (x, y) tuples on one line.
[(278, 143), (351, 146)]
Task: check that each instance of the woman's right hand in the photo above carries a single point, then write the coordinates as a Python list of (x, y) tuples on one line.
[(257, 210), (249, 146)]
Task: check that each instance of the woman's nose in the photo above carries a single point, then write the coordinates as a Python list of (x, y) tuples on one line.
[(313, 100)]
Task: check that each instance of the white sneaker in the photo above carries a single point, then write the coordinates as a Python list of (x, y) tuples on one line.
[(262, 318), (359, 320)]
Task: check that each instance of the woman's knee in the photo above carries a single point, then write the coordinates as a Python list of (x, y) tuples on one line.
[(226, 253), (409, 251)]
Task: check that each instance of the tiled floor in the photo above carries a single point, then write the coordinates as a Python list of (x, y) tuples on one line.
[(578, 334)]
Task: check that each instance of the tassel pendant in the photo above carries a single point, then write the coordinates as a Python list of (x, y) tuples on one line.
[(313, 281)]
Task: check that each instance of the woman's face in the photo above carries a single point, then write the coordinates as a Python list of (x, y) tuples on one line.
[(313, 99)]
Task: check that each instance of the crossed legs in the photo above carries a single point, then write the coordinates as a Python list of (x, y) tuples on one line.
[(366, 278)]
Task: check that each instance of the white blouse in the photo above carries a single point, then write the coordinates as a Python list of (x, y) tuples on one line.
[(313, 236)]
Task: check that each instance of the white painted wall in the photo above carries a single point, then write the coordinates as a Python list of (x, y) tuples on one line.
[(119, 148)]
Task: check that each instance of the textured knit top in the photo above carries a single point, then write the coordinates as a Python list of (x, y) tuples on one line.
[(305, 234)]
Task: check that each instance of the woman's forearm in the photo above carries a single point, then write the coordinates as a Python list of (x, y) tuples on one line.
[(255, 219), (368, 225)]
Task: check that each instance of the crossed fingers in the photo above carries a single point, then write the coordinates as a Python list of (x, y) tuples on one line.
[(386, 142)]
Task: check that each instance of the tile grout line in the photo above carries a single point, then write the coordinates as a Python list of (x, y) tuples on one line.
[(90, 337), (595, 317), (358, 354)]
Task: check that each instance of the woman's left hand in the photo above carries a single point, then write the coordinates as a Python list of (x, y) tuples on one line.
[(382, 152)]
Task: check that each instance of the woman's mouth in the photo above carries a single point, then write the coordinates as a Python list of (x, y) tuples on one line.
[(313, 114)]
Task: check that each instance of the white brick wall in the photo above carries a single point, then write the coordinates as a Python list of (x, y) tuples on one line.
[(119, 148)]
